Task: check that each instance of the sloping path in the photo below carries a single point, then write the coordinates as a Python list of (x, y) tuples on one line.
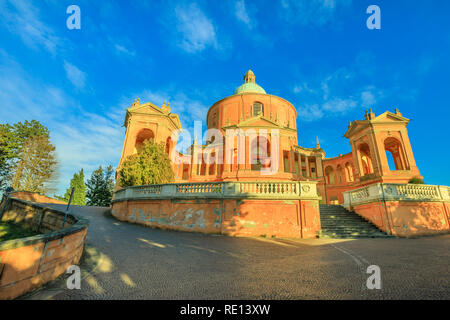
[(145, 263)]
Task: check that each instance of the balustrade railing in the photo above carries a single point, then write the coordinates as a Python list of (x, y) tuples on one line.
[(269, 188), (396, 192), (281, 190)]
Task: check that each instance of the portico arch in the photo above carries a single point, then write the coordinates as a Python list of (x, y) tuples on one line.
[(141, 137), (366, 160), (393, 146), (329, 175)]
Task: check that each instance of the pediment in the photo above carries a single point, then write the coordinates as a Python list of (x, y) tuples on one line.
[(148, 108), (258, 121), (151, 109), (390, 117), (386, 118)]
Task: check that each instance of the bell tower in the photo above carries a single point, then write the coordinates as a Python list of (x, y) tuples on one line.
[(381, 148)]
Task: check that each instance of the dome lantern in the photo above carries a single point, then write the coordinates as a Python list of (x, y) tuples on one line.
[(249, 85)]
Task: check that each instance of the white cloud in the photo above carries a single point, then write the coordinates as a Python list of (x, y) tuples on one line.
[(310, 12), (75, 75), (337, 94), (196, 30), (242, 14), (368, 98), (123, 50), (22, 18)]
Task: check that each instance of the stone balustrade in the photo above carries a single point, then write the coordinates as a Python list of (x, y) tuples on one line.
[(396, 192), (227, 190)]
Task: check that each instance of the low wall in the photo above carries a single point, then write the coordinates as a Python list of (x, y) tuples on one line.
[(35, 197), (285, 209), (28, 263), (403, 209)]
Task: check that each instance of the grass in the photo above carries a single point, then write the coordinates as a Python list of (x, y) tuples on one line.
[(11, 231)]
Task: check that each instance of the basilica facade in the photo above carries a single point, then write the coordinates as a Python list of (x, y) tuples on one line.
[(264, 136)]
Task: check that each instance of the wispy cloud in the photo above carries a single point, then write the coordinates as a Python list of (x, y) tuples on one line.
[(123, 50), (75, 75), (22, 18), (243, 15), (196, 30), (310, 12), (336, 94)]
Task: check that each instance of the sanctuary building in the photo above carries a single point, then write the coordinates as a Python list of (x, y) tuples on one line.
[(251, 109), (252, 177)]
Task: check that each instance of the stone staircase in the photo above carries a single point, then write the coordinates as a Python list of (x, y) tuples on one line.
[(339, 223)]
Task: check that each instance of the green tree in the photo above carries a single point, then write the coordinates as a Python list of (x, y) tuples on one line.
[(13, 140), (6, 154), (37, 166), (151, 166), (79, 195), (100, 187)]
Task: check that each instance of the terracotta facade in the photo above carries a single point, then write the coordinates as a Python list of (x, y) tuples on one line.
[(272, 123)]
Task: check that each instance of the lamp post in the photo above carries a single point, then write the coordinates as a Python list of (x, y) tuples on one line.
[(68, 206)]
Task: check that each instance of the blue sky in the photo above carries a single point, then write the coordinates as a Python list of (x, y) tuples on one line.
[(319, 55)]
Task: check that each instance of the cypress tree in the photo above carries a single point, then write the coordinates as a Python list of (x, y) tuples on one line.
[(79, 196), (100, 187)]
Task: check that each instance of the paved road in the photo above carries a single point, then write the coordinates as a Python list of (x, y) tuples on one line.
[(145, 263)]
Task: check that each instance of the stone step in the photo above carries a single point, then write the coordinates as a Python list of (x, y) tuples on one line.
[(339, 228), (338, 222)]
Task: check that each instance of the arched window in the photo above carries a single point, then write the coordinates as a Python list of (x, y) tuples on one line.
[(257, 109), (260, 153), (329, 175), (366, 160), (394, 154), (340, 174), (349, 172), (212, 166), (143, 135)]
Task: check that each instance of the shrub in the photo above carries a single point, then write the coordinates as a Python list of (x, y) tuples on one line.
[(416, 180), (151, 166)]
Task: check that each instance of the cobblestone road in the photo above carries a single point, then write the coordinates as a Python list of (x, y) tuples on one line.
[(144, 263)]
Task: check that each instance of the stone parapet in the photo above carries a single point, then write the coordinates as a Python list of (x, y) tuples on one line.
[(271, 209), (306, 190), (403, 209), (396, 192), (27, 263)]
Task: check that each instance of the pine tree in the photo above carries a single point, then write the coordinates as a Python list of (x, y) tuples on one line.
[(151, 166), (100, 187), (79, 195)]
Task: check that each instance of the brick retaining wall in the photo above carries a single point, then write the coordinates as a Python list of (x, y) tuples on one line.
[(28, 263)]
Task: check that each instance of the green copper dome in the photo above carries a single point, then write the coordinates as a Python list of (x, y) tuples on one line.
[(249, 86)]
